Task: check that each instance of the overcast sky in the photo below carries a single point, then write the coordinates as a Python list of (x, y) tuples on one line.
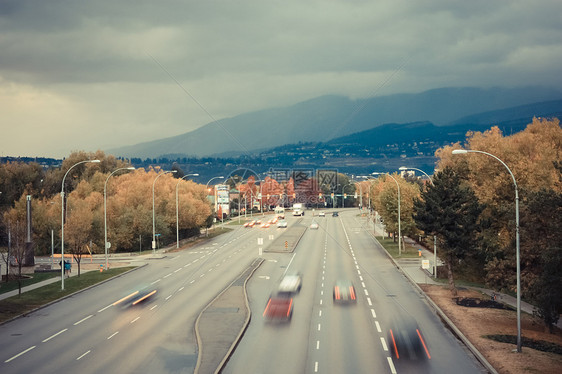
[(88, 75)]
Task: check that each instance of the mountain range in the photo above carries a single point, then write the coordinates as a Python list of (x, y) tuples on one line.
[(327, 118)]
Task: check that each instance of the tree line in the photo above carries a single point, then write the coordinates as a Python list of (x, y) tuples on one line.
[(128, 199), (469, 206)]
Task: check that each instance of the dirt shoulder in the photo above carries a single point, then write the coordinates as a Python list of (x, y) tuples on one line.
[(475, 323)]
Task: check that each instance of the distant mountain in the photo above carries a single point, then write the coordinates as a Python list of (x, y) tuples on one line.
[(327, 117)]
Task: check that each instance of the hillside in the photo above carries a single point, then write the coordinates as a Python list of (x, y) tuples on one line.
[(324, 118)]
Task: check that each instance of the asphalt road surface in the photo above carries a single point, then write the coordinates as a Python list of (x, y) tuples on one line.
[(87, 333)]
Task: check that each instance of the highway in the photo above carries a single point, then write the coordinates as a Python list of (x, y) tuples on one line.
[(87, 333), (326, 338)]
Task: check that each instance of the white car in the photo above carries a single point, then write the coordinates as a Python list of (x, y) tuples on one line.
[(314, 225), (291, 283), (322, 214), (282, 224)]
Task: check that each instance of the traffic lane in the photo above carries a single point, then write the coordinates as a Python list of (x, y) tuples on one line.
[(89, 303), (279, 347), (350, 339), (393, 295)]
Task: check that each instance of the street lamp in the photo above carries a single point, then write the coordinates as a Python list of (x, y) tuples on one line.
[(404, 168), (105, 211), (517, 247), (62, 218), (154, 210), (399, 228), (177, 209)]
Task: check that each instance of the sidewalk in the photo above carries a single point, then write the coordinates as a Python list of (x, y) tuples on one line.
[(412, 268)]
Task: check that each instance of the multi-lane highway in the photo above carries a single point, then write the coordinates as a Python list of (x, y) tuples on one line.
[(89, 334), (326, 338)]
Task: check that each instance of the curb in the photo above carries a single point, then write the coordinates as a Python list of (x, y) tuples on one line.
[(255, 264), (443, 316)]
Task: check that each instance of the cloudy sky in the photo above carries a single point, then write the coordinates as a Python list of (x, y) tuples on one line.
[(88, 75)]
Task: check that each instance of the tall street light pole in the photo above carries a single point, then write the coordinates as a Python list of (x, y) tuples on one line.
[(106, 244), (178, 210), (62, 217), (399, 228), (154, 210), (517, 247), (403, 168)]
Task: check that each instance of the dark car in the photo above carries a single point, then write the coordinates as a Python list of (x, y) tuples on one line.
[(344, 292), (335, 214), (406, 340)]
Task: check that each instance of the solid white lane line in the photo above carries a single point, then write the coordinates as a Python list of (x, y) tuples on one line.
[(316, 367), (83, 319), (52, 336), (19, 354), (112, 335)]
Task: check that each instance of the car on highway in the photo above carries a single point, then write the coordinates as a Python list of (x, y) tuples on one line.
[(282, 224), (137, 297), (322, 214), (344, 292), (279, 308), (335, 214), (250, 224), (406, 340), (314, 225), (290, 284)]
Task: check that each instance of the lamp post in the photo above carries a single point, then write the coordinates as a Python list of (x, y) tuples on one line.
[(178, 211), (62, 217), (154, 210), (403, 168), (517, 247), (105, 211), (399, 228)]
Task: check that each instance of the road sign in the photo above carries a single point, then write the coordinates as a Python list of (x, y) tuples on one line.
[(425, 264)]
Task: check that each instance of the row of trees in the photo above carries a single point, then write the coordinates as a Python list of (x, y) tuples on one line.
[(470, 207), (129, 205)]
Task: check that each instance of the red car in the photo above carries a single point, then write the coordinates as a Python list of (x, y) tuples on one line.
[(279, 308)]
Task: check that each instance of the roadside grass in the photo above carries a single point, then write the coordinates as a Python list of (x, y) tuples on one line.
[(408, 251), (35, 278), (30, 300)]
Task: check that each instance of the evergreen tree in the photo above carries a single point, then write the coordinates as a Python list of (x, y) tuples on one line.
[(449, 209)]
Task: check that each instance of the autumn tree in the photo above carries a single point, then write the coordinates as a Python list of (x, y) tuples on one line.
[(449, 210), (532, 156), (15, 220), (384, 198)]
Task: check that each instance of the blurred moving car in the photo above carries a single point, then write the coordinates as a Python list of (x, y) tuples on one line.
[(322, 214), (282, 224), (279, 308), (314, 225), (290, 284), (406, 340), (137, 297), (344, 292), (335, 214), (250, 224)]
